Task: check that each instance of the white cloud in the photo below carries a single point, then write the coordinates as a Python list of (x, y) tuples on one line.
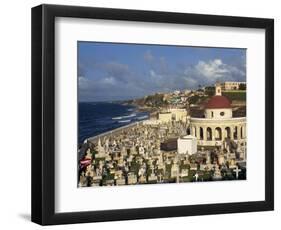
[(155, 76), (212, 69), (190, 82), (119, 81), (108, 81), (83, 82), (208, 72)]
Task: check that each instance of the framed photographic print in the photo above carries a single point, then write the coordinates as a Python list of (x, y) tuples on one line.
[(142, 114)]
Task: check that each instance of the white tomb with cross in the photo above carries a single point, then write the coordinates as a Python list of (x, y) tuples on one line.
[(237, 170)]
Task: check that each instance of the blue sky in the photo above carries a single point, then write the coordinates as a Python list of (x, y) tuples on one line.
[(115, 71)]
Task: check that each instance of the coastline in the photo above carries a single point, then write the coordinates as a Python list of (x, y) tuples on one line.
[(94, 139), (135, 109)]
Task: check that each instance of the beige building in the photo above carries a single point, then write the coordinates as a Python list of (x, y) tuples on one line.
[(164, 116), (231, 85), (172, 114), (218, 123)]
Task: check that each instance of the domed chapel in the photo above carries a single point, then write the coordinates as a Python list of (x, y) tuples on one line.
[(218, 123)]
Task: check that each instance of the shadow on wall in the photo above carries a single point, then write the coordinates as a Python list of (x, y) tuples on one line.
[(25, 216)]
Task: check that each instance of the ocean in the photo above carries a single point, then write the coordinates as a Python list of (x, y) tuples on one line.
[(98, 117)]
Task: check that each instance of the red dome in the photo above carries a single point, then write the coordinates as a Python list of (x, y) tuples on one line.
[(218, 102)]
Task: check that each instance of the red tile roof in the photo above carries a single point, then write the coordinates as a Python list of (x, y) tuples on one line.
[(218, 102)]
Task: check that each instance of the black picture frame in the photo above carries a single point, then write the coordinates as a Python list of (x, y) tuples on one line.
[(43, 110)]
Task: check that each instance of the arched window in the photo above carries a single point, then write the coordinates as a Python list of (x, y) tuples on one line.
[(209, 134), (235, 133), (227, 132), (201, 133), (188, 131), (218, 133), (241, 130)]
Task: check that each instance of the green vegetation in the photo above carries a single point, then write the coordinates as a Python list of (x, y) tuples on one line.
[(155, 100), (196, 99), (237, 95), (210, 90), (94, 152), (242, 87)]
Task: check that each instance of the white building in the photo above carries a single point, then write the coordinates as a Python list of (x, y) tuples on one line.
[(187, 145), (218, 123)]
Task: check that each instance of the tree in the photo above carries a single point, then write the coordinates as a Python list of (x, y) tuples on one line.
[(193, 99), (242, 86), (210, 90)]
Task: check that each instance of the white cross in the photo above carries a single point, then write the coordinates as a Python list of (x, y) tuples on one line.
[(196, 176), (160, 177), (237, 170)]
